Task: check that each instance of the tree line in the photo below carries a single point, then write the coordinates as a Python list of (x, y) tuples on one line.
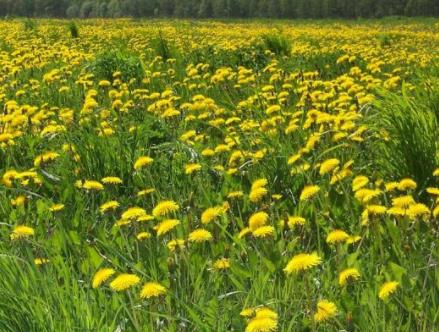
[(219, 8)]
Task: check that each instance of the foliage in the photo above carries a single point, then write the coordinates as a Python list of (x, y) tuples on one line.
[(277, 43), (74, 31), (30, 25), (221, 8), (162, 47), (108, 62), (407, 127), (218, 176)]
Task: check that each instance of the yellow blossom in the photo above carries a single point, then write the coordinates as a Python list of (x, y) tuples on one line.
[(101, 276), (387, 289), (200, 235), (164, 208), (124, 281), (302, 262), (325, 311), (308, 192), (20, 232), (142, 162), (152, 289)]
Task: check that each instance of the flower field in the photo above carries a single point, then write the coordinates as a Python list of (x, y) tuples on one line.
[(167, 175)]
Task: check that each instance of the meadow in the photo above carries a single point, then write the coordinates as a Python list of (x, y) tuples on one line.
[(171, 175)]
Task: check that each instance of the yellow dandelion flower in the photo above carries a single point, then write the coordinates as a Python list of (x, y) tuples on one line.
[(418, 210), (351, 274), (295, 220), (142, 162), (325, 311), (406, 184), (276, 197), (390, 186), (266, 312), (302, 262), (244, 232), (261, 324), (110, 205), (20, 232), (376, 210), (41, 261), (208, 152), (45, 157), (396, 211), (247, 312), (353, 239), (359, 182), (200, 235), (388, 289), (101, 276), (152, 289), (145, 192), (257, 220), (145, 217), (336, 236), (259, 183), (308, 192), (257, 194), (56, 207), (235, 194), (364, 195), (164, 207), (92, 185), (436, 172), (263, 231), (211, 213), (403, 201), (221, 264), (124, 281), (328, 165), (143, 236), (191, 168), (174, 244), (272, 109), (18, 201), (165, 226), (133, 213), (433, 191), (111, 180), (293, 159)]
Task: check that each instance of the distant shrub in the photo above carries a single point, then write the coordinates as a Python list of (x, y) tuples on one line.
[(384, 40), (251, 56), (74, 30), (29, 25), (163, 47), (277, 43), (108, 62)]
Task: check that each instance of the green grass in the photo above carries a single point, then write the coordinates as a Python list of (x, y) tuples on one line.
[(400, 141)]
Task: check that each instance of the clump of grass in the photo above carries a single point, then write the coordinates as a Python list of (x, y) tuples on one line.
[(251, 56), (108, 62), (387, 39), (277, 43), (407, 127), (384, 40), (30, 25), (74, 30), (163, 47)]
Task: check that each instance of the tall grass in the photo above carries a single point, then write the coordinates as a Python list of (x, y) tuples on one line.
[(406, 127), (400, 141)]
